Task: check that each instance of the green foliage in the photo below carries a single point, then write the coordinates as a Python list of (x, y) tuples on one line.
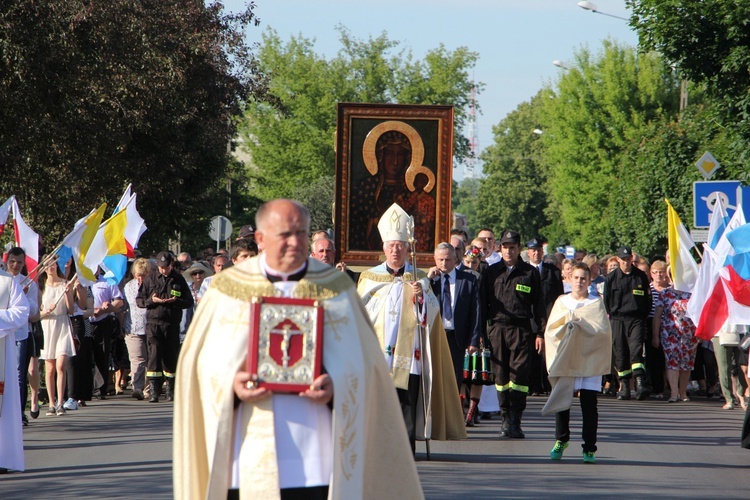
[(665, 159), (99, 94), (513, 194), (292, 144), (465, 201), (707, 40), (318, 198), (602, 106)]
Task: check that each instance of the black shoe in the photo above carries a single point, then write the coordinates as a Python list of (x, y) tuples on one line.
[(516, 433), (504, 425), (34, 414), (152, 385), (169, 393), (24, 420), (642, 392), (514, 428)]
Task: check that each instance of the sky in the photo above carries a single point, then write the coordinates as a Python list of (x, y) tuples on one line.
[(516, 40)]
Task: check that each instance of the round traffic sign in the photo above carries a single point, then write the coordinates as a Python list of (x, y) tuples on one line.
[(220, 229)]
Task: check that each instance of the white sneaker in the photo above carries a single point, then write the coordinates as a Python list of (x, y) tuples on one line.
[(70, 404)]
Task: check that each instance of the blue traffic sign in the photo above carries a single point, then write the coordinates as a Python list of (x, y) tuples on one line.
[(705, 194)]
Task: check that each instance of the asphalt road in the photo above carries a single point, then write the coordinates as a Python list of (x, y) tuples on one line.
[(121, 448)]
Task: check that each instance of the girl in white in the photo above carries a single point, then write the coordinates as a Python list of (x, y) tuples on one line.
[(57, 305)]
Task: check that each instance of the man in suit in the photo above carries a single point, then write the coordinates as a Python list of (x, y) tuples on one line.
[(552, 287), (458, 294)]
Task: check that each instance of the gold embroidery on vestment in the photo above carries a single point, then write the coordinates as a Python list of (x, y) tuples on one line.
[(349, 412)]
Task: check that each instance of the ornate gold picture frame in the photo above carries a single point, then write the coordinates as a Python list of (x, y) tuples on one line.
[(385, 154)]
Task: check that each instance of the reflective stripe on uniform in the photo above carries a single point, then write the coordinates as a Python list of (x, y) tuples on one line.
[(519, 388), (502, 388)]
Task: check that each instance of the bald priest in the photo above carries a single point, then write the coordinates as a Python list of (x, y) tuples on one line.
[(233, 438)]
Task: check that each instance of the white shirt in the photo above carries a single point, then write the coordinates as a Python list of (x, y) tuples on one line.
[(204, 286), (493, 258), (304, 437), (32, 296)]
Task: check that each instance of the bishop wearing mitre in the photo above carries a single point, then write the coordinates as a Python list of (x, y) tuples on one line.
[(406, 316)]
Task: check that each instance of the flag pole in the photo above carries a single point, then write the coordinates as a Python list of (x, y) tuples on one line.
[(42, 266)]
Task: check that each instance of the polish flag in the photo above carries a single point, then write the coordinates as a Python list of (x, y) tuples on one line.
[(707, 306), (27, 239)]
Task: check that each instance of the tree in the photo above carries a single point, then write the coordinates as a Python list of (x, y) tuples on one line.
[(663, 167), (513, 193), (292, 144), (465, 201), (602, 106), (707, 41), (99, 94), (318, 198)]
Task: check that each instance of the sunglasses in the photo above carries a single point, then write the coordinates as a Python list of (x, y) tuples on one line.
[(196, 273)]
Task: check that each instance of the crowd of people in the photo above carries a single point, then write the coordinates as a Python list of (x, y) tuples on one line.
[(493, 322), (95, 342)]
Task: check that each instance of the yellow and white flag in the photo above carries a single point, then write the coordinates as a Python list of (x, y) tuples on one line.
[(681, 262)]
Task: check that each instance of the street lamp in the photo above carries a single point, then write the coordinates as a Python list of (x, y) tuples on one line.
[(559, 64), (590, 6)]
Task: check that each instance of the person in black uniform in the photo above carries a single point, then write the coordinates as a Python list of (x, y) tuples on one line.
[(511, 299), (165, 294), (552, 288), (627, 298)]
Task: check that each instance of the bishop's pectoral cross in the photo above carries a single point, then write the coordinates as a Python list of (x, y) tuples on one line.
[(287, 333), (395, 304)]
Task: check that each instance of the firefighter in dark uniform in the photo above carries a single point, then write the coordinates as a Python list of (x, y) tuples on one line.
[(627, 298), (511, 300), (165, 294)]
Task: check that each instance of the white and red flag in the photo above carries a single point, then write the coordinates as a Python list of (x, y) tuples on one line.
[(27, 239)]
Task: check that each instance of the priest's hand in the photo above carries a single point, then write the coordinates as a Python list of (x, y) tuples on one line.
[(320, 391), (538, 344), (246, 388), (416, 287)]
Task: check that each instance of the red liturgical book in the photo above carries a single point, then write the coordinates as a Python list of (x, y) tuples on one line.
[(285, 349)]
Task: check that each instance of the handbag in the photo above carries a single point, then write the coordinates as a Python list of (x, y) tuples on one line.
[(38, 334)]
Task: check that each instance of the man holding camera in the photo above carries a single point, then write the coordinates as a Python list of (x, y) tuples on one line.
[(165, 294)]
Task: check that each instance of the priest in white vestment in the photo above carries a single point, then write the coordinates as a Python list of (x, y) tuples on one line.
[(342, 438), (399, 304), (14, 316)]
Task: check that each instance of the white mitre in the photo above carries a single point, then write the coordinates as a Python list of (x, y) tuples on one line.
[(393, 225)]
